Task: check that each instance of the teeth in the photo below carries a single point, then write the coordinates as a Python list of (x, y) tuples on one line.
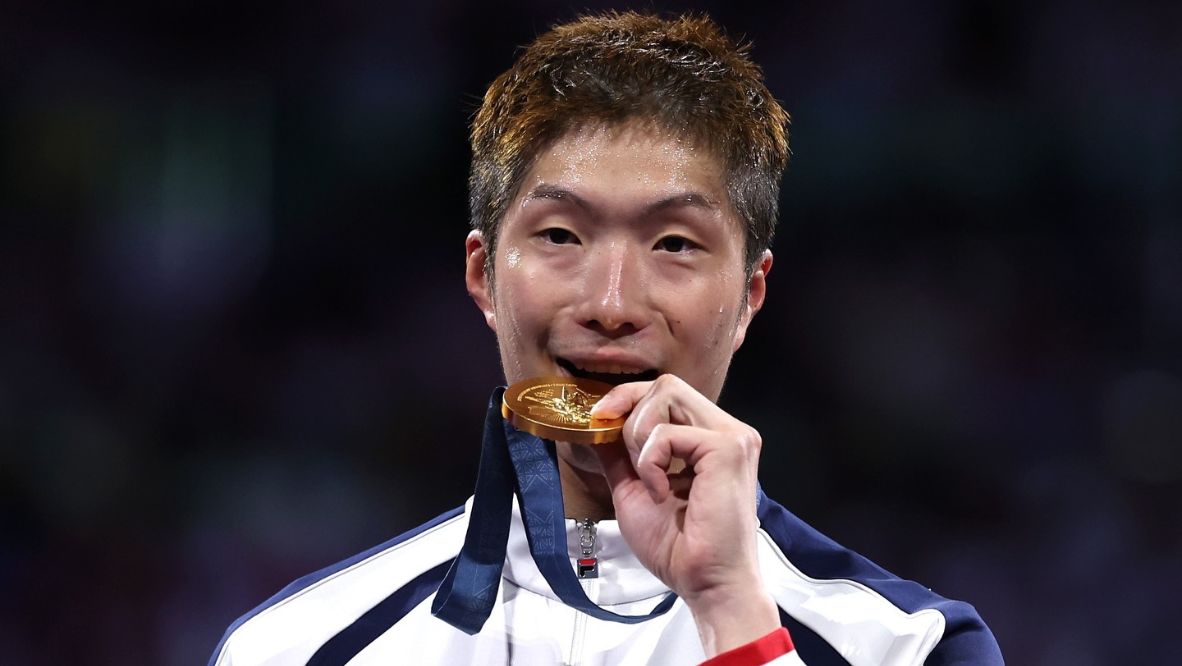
[(608, 368)]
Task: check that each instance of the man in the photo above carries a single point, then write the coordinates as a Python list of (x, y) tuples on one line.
[(624, 189)]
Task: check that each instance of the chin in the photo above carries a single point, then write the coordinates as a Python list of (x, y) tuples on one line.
[(580, 457)]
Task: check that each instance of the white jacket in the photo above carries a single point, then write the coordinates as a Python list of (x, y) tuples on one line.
[(375, 608)]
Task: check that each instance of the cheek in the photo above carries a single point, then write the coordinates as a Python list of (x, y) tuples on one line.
[(512, 258), (723, 333), (522, 307), (706, 310)]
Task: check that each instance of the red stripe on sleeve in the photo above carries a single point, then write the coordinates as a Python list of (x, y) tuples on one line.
[(759, 651)]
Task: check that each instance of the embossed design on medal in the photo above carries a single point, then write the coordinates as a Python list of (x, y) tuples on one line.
[(572, 405), (559, 408)]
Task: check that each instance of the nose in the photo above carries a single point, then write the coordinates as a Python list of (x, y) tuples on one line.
[(615, 295)]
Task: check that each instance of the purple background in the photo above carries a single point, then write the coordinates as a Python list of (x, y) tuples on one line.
[(235, 345)]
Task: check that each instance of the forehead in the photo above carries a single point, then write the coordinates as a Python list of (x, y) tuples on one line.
[(631, 156)]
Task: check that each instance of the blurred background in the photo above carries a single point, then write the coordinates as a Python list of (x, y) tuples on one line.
[(235, 345)]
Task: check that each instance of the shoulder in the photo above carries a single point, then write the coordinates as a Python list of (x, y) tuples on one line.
[(837, 602), (297, 620)]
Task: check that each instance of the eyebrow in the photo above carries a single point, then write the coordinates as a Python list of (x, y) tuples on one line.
[(689, 198)]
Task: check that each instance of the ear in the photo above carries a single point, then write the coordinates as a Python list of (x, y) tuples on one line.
[(756, 291), (476, 277)]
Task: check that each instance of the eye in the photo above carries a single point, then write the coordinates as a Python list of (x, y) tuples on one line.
[(560, 236), (675, 244)]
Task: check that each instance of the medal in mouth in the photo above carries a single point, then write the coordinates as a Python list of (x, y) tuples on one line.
[(559, 409)]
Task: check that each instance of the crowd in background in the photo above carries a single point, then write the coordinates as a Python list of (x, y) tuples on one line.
[(235, 345)]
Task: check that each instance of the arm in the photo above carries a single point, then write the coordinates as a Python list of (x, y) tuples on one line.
[(693, 527)]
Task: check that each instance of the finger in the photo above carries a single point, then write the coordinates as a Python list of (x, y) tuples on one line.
[(647, 414), (620, 400), (668, 399), (678, 403), (685, 405), (616, 464), (665, 443), (655, 407), (618, 469), (665, 402)]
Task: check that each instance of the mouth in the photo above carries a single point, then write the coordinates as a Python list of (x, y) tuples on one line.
[(609, 373)]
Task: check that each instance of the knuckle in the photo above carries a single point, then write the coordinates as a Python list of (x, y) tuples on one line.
[(666, 382), (639, 434), (659, 431), (749, 439)]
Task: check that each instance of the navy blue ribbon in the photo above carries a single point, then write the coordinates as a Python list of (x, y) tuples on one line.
[(511, 462)]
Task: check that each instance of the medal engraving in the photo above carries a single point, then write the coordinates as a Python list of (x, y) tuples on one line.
[(571, 406), (559, 408)]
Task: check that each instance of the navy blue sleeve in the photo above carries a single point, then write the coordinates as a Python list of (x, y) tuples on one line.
[(966, 639)]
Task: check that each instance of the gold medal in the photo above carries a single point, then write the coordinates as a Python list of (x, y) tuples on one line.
[(559, 408)]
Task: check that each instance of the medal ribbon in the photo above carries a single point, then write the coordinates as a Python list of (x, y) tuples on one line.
[(512, 461)]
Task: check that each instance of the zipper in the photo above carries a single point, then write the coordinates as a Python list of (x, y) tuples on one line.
[(587, 567), (588, 564)]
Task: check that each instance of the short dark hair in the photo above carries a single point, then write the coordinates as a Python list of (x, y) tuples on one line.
[(682, 75)]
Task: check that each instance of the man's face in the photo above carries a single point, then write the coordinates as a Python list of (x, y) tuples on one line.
[(621, 258)]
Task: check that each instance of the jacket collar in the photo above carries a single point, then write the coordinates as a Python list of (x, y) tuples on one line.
[(622, 578)]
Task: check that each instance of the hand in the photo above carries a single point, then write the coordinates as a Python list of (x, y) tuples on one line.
[(694, 528)]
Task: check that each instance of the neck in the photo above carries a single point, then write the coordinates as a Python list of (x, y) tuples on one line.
[(585, 494)]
